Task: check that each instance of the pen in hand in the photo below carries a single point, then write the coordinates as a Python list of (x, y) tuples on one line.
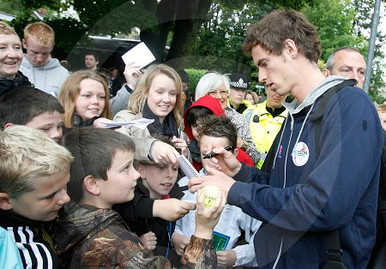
[(212, 154)]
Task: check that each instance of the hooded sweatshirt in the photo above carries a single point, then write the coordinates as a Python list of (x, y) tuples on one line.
[(48, 78), (307, 194), (213, 105)]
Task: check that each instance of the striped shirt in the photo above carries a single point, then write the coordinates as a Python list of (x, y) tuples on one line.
[(32, 240)]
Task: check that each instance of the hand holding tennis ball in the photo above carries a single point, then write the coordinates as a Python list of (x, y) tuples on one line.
[(211, 194)]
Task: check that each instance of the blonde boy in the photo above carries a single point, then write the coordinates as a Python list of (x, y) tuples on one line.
[(34, 172)]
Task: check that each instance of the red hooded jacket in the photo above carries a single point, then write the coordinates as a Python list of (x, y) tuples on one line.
[(213, 105)]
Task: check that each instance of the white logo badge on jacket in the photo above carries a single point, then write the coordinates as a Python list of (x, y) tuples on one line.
[(300, 154)]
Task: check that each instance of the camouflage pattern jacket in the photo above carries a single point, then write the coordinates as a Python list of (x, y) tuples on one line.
[(91, 237)]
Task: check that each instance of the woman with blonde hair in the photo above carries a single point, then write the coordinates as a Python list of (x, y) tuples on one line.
[(84, 96), (157, 96)]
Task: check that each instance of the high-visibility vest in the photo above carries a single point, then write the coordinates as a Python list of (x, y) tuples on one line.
[(263, 127)]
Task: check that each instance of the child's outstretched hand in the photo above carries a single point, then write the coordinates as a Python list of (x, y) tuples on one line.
[(171, 209), (148, 240), (207, 217)]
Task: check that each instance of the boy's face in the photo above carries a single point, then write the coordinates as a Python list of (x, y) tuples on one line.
[(121, 180), (43, 203), (37, 54), (11, 55), (50, 123), (158, 179), (207, 143)]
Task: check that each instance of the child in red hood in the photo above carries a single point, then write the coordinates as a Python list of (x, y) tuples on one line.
[(203, 107)]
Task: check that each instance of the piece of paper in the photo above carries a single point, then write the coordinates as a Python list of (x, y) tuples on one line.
[(187, 167), (140, 55), (140, 123)]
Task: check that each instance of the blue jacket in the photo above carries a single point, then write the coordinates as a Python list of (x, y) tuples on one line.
[(307, 195), (9, 254)]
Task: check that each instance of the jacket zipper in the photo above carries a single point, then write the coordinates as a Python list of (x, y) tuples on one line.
[(284, 185)]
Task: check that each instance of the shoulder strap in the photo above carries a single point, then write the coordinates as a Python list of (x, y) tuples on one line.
[(325, 98), (332, 242)]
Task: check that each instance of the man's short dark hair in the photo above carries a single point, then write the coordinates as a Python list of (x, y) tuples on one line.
[(93, 54), (271, 32), (22, 104), (93, 150)]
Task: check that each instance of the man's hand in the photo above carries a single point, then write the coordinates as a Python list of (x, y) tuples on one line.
[(225, 161), (171, 209), (217, 178)]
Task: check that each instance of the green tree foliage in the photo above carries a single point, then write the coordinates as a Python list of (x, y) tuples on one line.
[(10, 6), (335, 27), (160, 21), (219, 42), (345, 24), (202, 34), (365, 9)]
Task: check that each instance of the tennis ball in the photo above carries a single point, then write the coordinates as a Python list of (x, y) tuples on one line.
[(211, 194)]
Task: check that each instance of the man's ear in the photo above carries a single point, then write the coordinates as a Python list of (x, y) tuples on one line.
[(326, 72), (290, 48), (5, 203), (91, 185)]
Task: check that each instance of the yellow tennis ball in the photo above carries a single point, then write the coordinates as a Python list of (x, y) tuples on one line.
[(211, 194)]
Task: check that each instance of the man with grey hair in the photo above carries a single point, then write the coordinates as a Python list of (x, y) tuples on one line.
[(347, 62)]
